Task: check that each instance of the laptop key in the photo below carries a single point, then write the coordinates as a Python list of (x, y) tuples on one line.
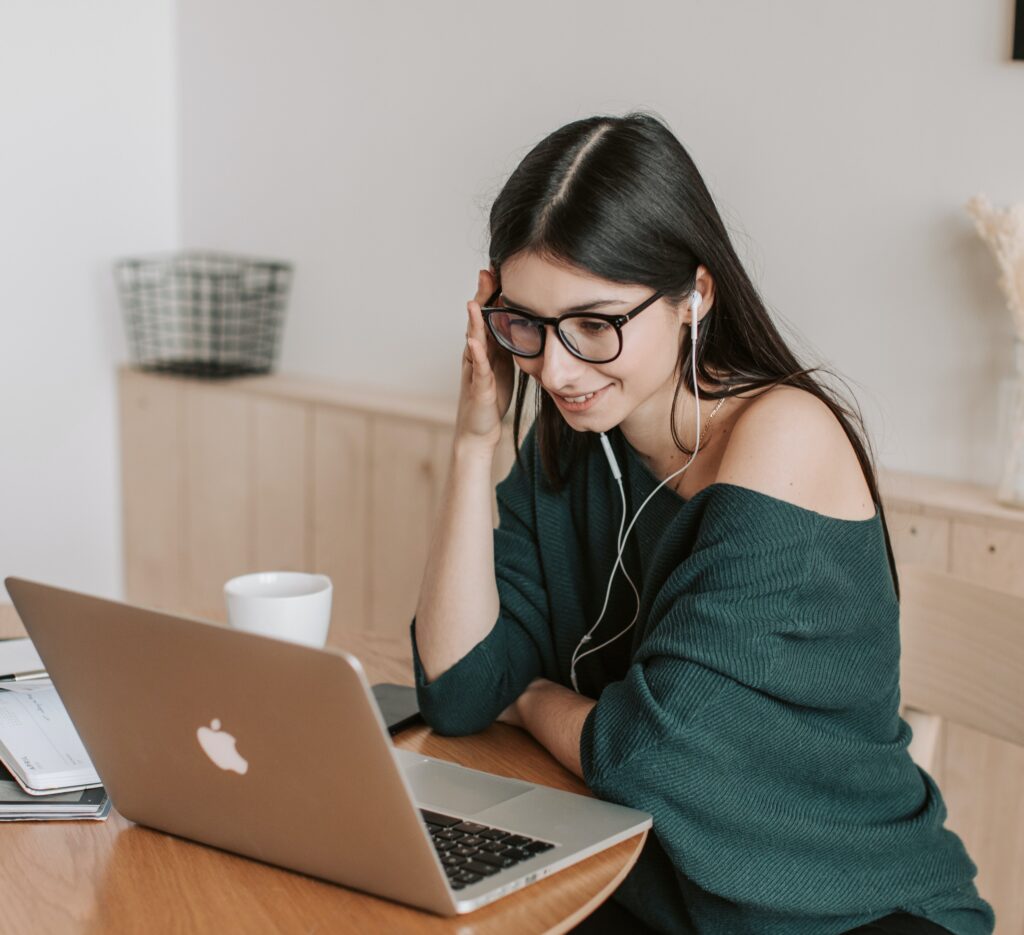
[(472, 840), (464, 851), (449, 835), (456, 884), (470, 827), (516, 841), (496, 860), (435, 818), (516, 853), (493, 847), (477, 867), (537, 847), (442, 846), (453, 860), (453, 872), (466, 876), (494, 834)]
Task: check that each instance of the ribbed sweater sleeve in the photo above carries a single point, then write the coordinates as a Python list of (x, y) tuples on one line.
[(467, 697)]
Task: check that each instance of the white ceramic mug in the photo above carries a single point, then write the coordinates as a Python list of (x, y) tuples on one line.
[(287, 605)]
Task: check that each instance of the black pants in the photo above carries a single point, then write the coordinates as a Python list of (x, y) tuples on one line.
[(612, 919)]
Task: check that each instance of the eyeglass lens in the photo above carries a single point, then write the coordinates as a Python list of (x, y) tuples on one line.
[(592, 339)]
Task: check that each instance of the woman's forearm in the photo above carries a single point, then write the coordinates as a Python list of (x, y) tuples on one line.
[(458, 601), (554, 715)]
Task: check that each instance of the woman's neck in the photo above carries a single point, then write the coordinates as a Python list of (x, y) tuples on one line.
[(647, 428)]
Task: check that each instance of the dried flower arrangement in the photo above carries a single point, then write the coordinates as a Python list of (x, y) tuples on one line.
[(1003, 230)]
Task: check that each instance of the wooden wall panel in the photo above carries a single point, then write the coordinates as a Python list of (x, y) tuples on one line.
[(988, 556), (981, 778), (218, 484), (402, 484), (341, 513), (281, 468), (152, 430), (983, 786), (919, 539)]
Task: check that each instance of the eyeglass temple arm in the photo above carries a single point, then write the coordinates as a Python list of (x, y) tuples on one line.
[(636, 311)]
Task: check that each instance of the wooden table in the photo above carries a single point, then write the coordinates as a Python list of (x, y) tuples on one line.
[(112, 877)]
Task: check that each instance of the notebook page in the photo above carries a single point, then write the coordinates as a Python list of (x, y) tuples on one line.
[(40, 738)]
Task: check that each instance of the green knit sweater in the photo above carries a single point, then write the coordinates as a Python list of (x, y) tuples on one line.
[(757, 719)]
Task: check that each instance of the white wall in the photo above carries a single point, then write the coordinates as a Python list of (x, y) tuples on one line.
[(365, 141), (87, 174)]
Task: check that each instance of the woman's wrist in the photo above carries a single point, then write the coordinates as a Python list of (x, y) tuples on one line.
[(526, 702), (554, 715), (515, 713), (475, 449)]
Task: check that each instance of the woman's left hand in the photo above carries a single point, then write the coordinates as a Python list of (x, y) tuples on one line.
[(513, 714)]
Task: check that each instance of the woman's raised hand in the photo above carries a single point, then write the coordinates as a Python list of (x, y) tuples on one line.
[(487, 376)]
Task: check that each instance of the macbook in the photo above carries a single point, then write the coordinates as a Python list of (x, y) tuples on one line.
[(278, 752)]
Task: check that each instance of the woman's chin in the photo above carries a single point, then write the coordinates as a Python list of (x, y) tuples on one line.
[(590, 422)]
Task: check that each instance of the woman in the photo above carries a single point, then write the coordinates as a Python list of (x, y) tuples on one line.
[(737, 674)]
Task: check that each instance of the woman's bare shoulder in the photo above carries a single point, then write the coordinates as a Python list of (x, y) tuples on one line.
[(787, 443)]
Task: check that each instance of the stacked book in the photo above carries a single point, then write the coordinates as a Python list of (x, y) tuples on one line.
[(48, 773)]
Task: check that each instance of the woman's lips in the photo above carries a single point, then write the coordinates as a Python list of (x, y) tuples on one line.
[(579, 406)]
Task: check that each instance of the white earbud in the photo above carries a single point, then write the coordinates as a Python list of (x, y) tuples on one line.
[(695, 302)]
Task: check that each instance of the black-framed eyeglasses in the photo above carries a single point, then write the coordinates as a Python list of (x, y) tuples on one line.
[(589, 336)]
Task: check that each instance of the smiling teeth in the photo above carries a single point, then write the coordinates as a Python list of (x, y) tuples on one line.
[(577, 399)]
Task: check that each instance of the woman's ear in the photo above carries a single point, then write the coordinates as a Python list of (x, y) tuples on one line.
[(705, 285)]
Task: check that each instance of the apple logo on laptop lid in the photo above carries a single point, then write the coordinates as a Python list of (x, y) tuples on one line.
[(219, 746)]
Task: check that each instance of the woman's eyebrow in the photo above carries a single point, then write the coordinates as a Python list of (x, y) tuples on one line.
[(585, 307)]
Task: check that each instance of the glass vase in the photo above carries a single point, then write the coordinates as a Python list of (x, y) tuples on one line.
[(1010, 490)]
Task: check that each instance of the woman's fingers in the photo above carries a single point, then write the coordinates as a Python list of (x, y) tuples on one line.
[(483, 376), (479, 415), (485, 286), (477, 327)]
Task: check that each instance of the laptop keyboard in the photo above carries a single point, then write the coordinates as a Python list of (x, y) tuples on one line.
[(469, 852)]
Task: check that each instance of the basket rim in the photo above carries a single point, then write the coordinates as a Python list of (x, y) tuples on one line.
[(167, 257)]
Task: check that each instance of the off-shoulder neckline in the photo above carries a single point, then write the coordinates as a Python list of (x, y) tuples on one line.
[(761, 495), (756, 494)]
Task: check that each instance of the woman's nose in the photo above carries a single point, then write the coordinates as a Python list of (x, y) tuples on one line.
[(559, 369)]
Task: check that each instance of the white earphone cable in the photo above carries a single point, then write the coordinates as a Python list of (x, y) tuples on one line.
[(608, 590), (621, 542)]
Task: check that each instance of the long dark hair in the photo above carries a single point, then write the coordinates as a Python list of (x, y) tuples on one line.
[(621, 198)]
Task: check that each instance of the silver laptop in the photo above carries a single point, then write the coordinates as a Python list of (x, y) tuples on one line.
[(278, 752)]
